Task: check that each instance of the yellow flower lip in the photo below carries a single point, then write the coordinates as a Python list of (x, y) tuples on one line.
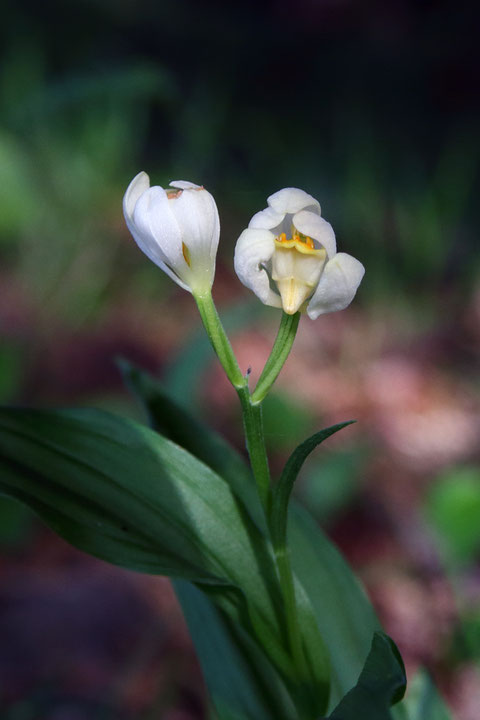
[(302, 243), (296, 268)]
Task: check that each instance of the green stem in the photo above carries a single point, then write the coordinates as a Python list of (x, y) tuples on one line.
[(219, 339), (252, 414), (255, 440), (252, 419), (288, 591), (253, 425), (280, 351)]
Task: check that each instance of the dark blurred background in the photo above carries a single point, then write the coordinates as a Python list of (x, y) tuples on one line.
[(374, 109)]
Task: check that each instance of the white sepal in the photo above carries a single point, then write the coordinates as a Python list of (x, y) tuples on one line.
[(337, 287), (184, 185), (292, 200), (317, 228), (266, 219), (253, 251), (139, 184)]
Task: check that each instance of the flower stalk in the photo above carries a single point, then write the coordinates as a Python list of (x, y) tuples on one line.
[(252, 412), (280, 351), (219, 340)]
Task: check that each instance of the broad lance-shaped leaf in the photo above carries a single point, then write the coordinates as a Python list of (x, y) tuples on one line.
[(122, 492), (381, 684), (284, 487), (242, 683), (167, 416), (170, 419), (342, 611), (119, 482)]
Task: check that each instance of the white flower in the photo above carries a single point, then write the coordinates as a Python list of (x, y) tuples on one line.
[(178, 229), (288, 257)]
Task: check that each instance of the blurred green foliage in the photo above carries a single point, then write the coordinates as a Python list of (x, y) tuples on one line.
[(423, 701), (453, 510), (11, 371), (64, 147), (468, 639), (184, 94), (286, 422), (331, 482)]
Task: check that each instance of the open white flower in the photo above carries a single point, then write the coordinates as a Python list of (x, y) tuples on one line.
[(177, 228), (288, 257)]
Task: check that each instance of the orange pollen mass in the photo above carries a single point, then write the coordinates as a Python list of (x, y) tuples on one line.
[(186, 254), (297, 238)]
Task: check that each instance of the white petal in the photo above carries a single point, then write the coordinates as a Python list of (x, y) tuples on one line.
[(197, 217), (157, 230), (266, 219), (317, 228), (292, 200), (154, 252), (255, 248), (183, 184), (139, 224), (137, 187), (337, 287)]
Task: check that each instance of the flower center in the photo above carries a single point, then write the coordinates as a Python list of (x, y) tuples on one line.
[(300, 242), (296, 269)]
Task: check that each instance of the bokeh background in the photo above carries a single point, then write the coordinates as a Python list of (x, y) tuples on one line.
[(374, 109)]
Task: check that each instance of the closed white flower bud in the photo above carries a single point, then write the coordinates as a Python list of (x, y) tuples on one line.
[(288, 257), (177, 228)]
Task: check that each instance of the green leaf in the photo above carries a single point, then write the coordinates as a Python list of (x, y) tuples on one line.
[(423, 701), (123, 493), (175, 421), (118, 486), (341, 609), (381, 684), (169, 418), (284, 487), (129, 496), (241, 682)]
